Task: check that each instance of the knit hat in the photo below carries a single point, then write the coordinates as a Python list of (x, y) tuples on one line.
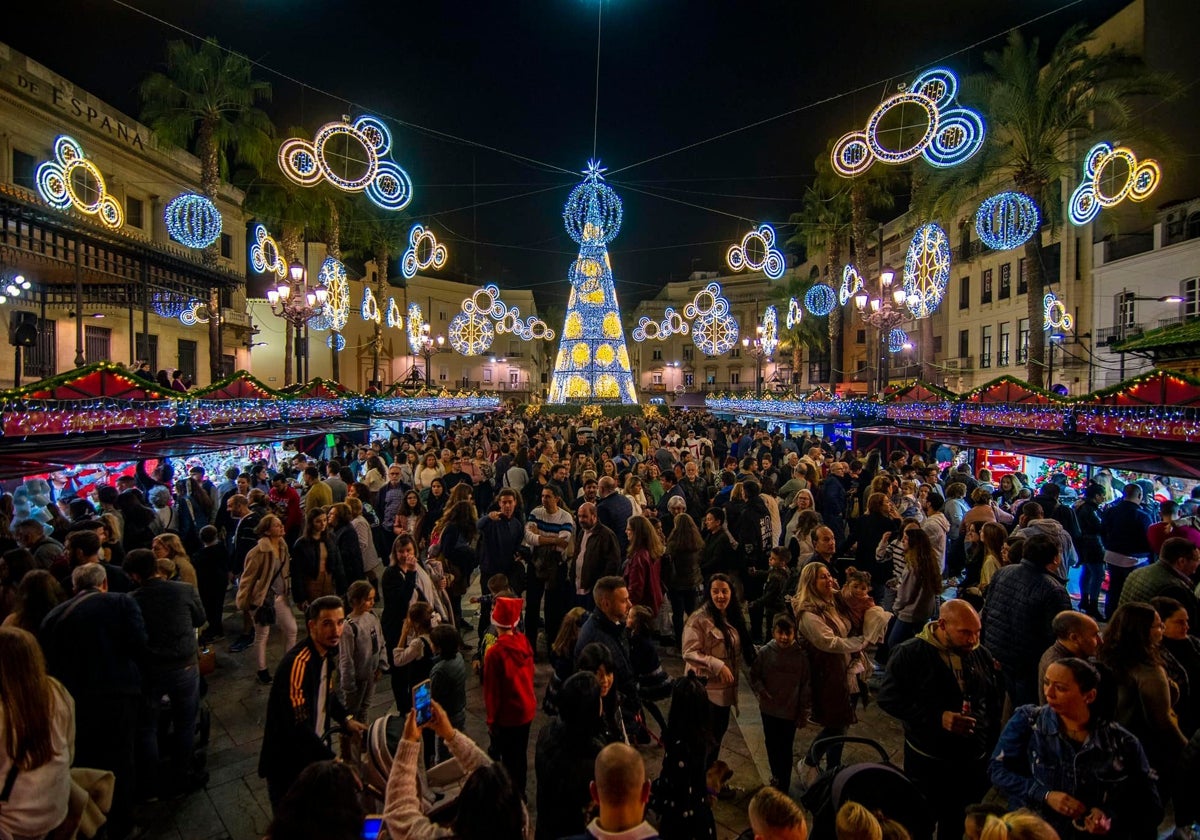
[(507, 612)]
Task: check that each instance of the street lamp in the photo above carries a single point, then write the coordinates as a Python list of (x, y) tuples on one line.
[(754, 347), (884, 313), (294, 302), (430, 346)]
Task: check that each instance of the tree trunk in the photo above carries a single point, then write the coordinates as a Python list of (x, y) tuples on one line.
[(1036, 361), (333, 241), (210, 179), (797, 360), (382, 255), (837, 360)]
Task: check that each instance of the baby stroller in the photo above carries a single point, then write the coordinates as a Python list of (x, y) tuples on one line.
[(438, 786), (879, 786)]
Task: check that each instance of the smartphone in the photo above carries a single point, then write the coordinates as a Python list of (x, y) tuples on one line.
[(372, 825), (423, 702)]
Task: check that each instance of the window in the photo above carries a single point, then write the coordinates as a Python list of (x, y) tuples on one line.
[(860, 337), (97, 343), (1005, 345), (689, 380), (487, 375), (441, 314), (1022, 277), (228, 363), (514, 376), (1006, 281), (964, 343), (41, 359), (735, 377), (1022, 340), (1189, 290), (656, 378), (937, 344), (964, 292), (656, 354), (24, 169), (187, 358), (862, 365), (985, 347), (819, 366), (735, 353), (985, 293), (687, 353), (133, 211), (147, 351), (226, 246), (1126, 310), (443, 373)]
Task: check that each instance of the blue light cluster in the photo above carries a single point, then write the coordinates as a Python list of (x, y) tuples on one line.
[(192, 220), (820, 300), (593, 212), (897, 338), (424, 251), (757, 252), (926, 270), (1007, 220), (168, 304)]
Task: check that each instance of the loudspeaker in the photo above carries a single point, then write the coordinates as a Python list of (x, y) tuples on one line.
[(22, 328)]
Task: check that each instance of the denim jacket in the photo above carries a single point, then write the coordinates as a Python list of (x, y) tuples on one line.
[(1109, 771)]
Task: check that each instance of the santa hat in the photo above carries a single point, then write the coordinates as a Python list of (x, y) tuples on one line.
[(507, 612)]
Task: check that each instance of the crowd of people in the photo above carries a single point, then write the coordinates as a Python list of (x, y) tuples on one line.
[(793, 569)]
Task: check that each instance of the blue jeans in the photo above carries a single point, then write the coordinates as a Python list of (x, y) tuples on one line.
[(181, 687)]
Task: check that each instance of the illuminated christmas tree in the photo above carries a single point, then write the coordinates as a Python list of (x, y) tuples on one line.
[(593, 363)]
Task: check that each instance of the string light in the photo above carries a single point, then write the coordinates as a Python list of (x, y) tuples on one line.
[(394, 319), (1055, 315), (385, 183), (335, 314), (650, 330), (194, 313), (794, 314), (1007, 220), (370, 306), (770, 331), (1141, 179), (592, 362), (820, 300), (424, 251), (168, 304), (60, 181), (192, 220), (926, 270), (265, 255), (771, 261), (851, 283), (897, 338), (952, 134), (470, 334), (417, 328)]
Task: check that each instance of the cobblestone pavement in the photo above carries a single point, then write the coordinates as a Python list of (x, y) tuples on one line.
[(234, 803)]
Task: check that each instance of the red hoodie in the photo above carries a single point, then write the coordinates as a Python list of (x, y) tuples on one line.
[(508, 681)]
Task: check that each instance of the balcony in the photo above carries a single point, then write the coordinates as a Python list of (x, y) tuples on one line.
[(1106, 336), (985, 360), (1001, 360), (961, 363)]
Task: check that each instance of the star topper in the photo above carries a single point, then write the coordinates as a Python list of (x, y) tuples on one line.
[(594, 171)]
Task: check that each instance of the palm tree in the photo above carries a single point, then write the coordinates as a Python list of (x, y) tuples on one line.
[(377, 234), (207, 100), (1038, 115)]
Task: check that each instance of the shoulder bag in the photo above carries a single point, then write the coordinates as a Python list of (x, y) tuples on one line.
[(264, 615)]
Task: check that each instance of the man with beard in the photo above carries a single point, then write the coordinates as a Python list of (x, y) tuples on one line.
[(944, 687)]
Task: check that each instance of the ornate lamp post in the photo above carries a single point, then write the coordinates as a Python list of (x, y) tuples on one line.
[(430, 347), (294, 302), (754, 348), (884, 313)]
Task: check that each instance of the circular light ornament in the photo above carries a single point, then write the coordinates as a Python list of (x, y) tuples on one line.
[(1007, 220), (897, 338), (926, 270), (851, 283), (820, 300), (593, 211), (59, 182), (424, 251), (770, 330), (385, 183), (335, 314), (370, 306), (194, 313), (1141, 179), (192, 220), (952, 133), (757, 252), (470, 334), (671, 324), (1055, 315), (715, 334), (394, 319), (795, 313), (336, 342), (265, 255)]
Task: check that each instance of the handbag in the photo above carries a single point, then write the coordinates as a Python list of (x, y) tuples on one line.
[(264, 615), (207, 659)]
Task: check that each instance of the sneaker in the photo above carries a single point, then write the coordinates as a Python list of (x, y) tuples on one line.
[(264, 677), (241, 643)]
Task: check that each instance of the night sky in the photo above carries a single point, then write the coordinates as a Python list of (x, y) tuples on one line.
[(519, 77)]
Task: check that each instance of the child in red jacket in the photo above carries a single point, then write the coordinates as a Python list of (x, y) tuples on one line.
[(508, 691)]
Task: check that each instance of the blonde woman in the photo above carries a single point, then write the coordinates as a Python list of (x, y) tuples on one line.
[(173, 559), (267, 580), (428, 471), (633, 492)]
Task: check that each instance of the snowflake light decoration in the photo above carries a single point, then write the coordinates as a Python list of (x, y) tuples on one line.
[(1055, 315), (192, 220), (852, 282), (714, 330), (794, 314), (63, 183), (265, 255), (1141, 179), (757, 253), (1007, 220), (926, 270), (820, 299), (335, 314), (953, 133), (770, 330), (470, 334), (424, 251), (370, 306), (593, 212), (417, 328), (650, 330), (897, 338), (385, 183)]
